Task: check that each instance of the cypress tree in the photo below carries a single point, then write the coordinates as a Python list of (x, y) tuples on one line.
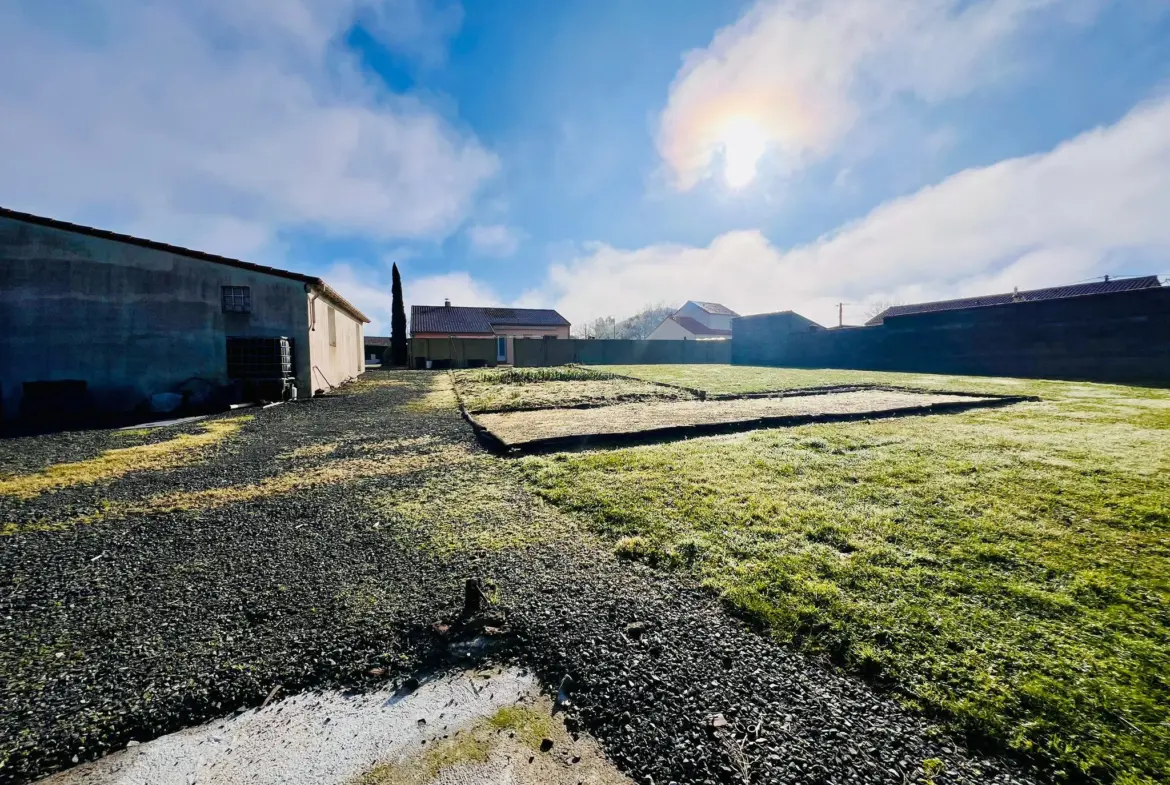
[(397, 323)]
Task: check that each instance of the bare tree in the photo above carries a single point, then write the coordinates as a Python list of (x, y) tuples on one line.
[(877, 307), (639, 326)]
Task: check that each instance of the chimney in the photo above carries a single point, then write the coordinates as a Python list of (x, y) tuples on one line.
[(447, 303), (1107, 279)]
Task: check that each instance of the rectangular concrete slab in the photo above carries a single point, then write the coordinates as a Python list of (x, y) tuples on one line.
[(553, 427)]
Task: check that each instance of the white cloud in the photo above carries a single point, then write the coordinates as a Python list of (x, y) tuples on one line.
[(245, 116), (1058, 217), (493, 239), (792, 77)]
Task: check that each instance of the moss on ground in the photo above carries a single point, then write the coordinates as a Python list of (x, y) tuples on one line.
[(334, 472), (440, 396), (471, 507), (526, 724), (184, 449), (311, 451), (1006, 569)]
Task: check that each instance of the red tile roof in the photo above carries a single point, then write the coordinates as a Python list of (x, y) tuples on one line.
[(1053, 293)]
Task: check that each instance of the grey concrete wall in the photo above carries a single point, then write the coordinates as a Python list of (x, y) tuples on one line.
[(537, 352), (1119, 337), (130, 321)]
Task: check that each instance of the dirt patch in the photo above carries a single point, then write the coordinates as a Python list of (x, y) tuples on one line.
[(560, 427)]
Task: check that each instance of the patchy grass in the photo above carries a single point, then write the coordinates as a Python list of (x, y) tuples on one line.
[(1005, 569), (132, 433), (736, 379), (465, 747), (311, 451), (332, 473), (472, 507), (560, 373), (462, 749), (529, 724), (184, 449), (441, 396), (485, 396), (547, 388), (508, 742)]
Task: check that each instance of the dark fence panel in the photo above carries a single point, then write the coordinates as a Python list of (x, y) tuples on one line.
[(540, 352), (1118, 337), (454, 352)]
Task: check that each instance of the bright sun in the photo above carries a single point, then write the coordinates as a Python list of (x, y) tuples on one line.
[(743, 142)]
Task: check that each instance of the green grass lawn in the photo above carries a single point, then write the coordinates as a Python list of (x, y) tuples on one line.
[(748, 379), (1005, 569)]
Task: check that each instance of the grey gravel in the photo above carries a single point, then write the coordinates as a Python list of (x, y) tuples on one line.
[(187, 616)]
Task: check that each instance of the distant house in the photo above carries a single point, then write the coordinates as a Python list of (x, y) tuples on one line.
[(375, 347), (696, 321), (502, 324), (1053, 293)]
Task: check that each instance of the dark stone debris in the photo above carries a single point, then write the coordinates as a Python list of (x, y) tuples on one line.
[(189, 615)]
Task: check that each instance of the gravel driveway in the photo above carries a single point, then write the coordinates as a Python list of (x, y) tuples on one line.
[(318, 543)]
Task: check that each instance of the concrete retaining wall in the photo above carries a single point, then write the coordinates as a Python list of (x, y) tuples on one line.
[(1119, 337)]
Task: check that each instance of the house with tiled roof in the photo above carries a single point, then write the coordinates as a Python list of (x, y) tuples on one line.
[(696, 321), (1107, 286), (502, 324)]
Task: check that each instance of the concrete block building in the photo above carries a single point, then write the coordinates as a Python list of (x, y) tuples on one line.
[(118, 319)]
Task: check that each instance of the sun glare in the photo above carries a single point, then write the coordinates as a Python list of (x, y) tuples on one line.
[(743, 142)]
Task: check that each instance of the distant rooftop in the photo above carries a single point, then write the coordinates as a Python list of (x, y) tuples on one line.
[(715, 308), (695, 327), (1031, 295), (455, 319)]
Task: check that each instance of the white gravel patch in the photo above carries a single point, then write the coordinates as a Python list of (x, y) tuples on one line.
[(309, 739)]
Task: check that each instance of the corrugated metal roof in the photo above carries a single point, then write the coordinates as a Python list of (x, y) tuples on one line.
[(1052, 293), (104, 234), (695, 327), (715, 308), (454, 319)]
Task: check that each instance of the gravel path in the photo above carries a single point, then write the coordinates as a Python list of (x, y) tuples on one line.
[(123, 619)]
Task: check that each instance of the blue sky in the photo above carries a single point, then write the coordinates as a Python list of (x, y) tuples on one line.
[(600, 156)]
